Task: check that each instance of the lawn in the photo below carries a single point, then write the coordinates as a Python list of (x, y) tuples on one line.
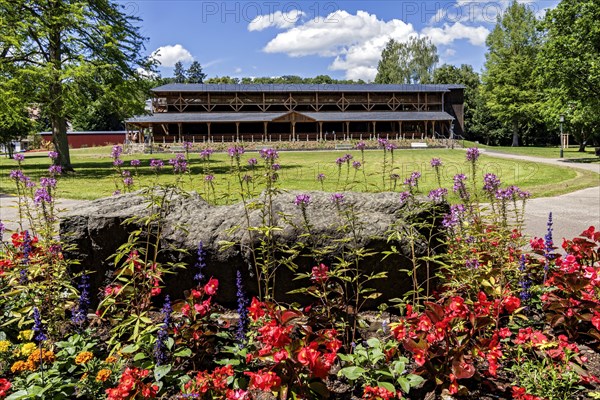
[(545, 152), (95, 176)]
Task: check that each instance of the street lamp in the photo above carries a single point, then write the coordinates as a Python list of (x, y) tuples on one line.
[(562, 139)]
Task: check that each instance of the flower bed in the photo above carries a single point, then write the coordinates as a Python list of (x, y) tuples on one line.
[(500, 316)]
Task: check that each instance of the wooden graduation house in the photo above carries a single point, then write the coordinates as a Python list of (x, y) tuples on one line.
[(263, 112)]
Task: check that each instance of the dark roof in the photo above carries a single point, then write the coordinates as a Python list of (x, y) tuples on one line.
[(171, 118), (293, 87)]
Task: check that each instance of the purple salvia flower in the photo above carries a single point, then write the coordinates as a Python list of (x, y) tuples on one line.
[(413, 180), (504, 194), (179, 164), (117, 162), (200, 263), (39, 334), (135, 163), (187, 146), (242, 309), (361, 146), (454, 216), (206, 153), (389, 146), (473, 154), (18, 157), (460, 187), (42, 196), (128, 181), (156, 164), (116, 151), (235, 151), (435, 162), (276, 167), (339, 161), (252, 162), (17, 175), (79, 316), (437, 195), (404, 197), (55, 170), (491, 183), (125, 174), (302, 200), (160, 346), (524, 282), (53, 155), (28, 182), (337, 198), (356, 164), (23, 277), (27, 247), (48, 182), (2, 229), (348, 157), (382, 142)]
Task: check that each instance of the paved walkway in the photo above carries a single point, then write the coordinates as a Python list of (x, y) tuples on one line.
[(572, 213)]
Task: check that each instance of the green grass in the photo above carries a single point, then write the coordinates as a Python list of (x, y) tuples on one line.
[(545, 152), (95, 176)]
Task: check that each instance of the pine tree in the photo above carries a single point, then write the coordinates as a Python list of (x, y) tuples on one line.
[(195, 74), (179, 72)]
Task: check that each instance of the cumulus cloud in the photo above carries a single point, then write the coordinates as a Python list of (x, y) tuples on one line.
[(169, 55), (449, 52), (277, 19), (449, 33), (355, 41)]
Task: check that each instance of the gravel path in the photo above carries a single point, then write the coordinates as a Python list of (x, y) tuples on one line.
[(572, 213)]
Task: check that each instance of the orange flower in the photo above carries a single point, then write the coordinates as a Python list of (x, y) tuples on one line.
[(103, 375), (83, 357)]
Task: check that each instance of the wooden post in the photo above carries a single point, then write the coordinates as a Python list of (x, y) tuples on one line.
[(374, 126), (180, 127), (321, 130), (237, 131), (265, 129), (348, 128), (293, 131), (208, 132), (400, 129)]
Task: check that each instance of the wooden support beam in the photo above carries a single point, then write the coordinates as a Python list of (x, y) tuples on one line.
[(237, 131), (180, 129), (208, 123)]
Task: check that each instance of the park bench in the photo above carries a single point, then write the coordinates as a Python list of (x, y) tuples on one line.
[(343, 146), (176, 149), (418, 145)]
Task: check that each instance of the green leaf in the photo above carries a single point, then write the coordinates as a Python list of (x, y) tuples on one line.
[(352, 373), (388, 386), (139, 356), (161, 371), (374, 342), (183, 352), (404, 384), (132, 348)]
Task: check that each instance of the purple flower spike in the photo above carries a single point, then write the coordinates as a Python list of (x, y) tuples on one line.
[(135, 163), (18, 157), (252, 162), (437, 195), (473, 154), (209, 178), (53, 155), (337, 198), (404, 196), (321, 177), (435, 162), (302, 200), (42, 196), (361, 145), (491, 183), (116, 151), (356, 164), (156, 164)]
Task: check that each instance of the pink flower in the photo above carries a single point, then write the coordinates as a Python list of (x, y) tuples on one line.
[(211, 287)]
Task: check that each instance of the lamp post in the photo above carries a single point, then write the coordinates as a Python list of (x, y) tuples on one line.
[(562, 139)]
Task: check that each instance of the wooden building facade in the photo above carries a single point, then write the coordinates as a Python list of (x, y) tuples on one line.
[(223, 112)]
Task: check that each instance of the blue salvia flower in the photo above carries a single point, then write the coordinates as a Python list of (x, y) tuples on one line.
[(26, 247), (80, 314), (200, 263), (23, 277), (548, 246), (39, 334), (242, 302), (525, 282), (160, 347)]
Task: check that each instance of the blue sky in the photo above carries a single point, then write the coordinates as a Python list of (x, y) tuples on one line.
[(343, 39)]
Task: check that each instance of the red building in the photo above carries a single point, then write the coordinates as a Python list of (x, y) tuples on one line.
[(79, 139)]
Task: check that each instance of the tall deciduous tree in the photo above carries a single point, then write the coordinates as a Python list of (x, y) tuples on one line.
[(179, 72), (570, 66), (63, 46), (407, 62), (509, 81), (195, 74)]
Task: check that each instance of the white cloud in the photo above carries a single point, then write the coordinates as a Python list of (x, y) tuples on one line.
[(480, 11), (238, 70), (449, 33), (355, 41), (169, 55), (449, 52), (277, 19), (145, 73)]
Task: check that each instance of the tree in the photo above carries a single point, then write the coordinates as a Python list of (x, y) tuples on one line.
[(179, 72), (407, 62), (509, 81), (569, 69), (195, 74), (61, 47), (464, 75), (223, 80), (15, 122)]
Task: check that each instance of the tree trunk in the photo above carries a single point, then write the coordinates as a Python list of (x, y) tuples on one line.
[(515, 138), (57, 105)]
